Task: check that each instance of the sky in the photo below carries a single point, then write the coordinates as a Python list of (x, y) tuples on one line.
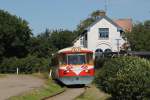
[(67, 14)]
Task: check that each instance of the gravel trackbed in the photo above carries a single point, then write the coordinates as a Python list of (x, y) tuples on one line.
[(12, 85), (69, 94)]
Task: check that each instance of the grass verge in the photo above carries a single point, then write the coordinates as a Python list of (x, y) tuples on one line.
[(3, 75), (93, 93), (48, 89)]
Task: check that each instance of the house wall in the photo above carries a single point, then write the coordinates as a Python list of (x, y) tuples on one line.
[(94, 42), (77, 43)]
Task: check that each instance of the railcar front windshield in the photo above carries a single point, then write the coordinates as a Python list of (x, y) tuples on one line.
[(76, 59)]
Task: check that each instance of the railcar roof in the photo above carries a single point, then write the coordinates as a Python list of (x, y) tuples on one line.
[(75, 50)]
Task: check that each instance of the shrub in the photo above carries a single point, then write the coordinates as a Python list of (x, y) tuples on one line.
[(125, 78), (99, 62), (8, 63), (29, 64)]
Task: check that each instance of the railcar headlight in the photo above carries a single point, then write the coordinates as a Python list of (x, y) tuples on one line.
[(87, 71), (66, 71)]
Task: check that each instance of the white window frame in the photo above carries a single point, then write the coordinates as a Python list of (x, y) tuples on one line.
[(102, 33)]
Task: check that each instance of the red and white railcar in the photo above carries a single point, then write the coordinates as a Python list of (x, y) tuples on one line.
[(73, 65)]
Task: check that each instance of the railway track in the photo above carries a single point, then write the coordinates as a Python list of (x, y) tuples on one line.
[(68, 94)]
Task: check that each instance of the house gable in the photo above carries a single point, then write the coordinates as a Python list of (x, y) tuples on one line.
[(104, 34), (97, 21), (97, 42), (106, 18)]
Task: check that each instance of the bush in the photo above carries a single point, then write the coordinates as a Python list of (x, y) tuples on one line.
[(125, 78), (29, 64), (99, 62)]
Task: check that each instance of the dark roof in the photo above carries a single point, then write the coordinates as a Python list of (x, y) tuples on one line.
[(85, 31), (108, 19), (139, 53)]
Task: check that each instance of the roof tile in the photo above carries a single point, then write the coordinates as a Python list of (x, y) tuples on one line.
[(126, 24)]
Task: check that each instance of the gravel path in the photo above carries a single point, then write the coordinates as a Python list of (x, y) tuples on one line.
[(69, 94), (12, 85)]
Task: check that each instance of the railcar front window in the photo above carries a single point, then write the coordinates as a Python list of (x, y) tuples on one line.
[(89, 57), (76, 59)]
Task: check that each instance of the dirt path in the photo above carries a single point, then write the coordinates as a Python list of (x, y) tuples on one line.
[(69, 94), (12, 85)]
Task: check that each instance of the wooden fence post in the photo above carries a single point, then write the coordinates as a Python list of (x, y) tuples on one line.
[(50, 73), (17, 70)]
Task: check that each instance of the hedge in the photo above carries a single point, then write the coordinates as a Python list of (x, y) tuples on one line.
[(125, 78), (29, 64)]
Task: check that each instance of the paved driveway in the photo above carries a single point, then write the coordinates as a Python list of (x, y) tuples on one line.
[(12, 85)]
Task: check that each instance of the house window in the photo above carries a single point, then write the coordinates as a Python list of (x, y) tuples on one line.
[(103, 32)]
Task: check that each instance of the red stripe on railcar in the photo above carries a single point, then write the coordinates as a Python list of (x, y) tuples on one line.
[(82, 51), (63, 73), (88, 72)]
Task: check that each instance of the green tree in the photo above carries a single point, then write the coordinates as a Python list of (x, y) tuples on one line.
[(41, 47), (139, 37), (15, 35), (49, 42), (88, 21), (62, 38)]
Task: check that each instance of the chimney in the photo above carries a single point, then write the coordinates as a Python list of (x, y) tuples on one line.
[(102, 13)]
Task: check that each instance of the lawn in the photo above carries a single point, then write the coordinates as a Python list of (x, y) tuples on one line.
[(93, 93), (3, 75)]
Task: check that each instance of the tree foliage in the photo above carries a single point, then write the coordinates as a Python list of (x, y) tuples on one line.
[(49, 42), (139, 38), (41, 46), (61, 38), (15, 35), (28, 64), (88, 21)]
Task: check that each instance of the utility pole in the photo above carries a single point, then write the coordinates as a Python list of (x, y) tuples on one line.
[(105, 5)]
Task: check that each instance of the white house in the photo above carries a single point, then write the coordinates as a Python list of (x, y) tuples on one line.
[(104, 34)]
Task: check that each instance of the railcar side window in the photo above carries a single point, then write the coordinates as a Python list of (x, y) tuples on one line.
[(62, 59)]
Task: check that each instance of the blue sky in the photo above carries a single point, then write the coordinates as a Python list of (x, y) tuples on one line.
[(67, 14)]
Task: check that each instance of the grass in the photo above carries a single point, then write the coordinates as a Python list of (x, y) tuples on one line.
[(48, 89), (93, 93), (3, 75)]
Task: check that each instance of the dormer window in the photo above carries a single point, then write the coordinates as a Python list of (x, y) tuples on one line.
[(104, 33)]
